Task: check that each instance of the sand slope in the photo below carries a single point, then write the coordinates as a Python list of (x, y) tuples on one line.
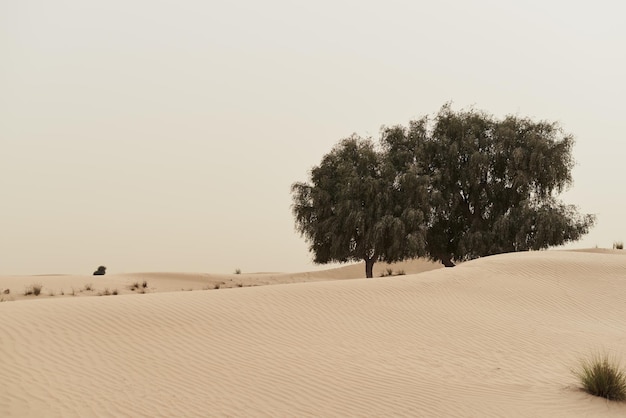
[(491, 337)]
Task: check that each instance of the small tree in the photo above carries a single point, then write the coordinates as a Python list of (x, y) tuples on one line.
[(101, 271), (352, 209), (492, 183)]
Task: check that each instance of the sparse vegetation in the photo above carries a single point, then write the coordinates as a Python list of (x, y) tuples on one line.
[(139, 286), (389, 272), (602, 376), (618, 245), (6, 291), (239, 284), (51, 293), (33, 289), (108, 292), (101, 271), (88, 287), (237, 271), (216, 285), (386, 273)]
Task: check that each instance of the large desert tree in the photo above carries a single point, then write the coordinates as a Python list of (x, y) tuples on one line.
[(357, 206), (493, 184)]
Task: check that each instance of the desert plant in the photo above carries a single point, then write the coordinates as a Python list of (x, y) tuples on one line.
[(602, 376), (144, 284), (6, 291), (33, 289), (237, 271), (216, 285), (618, 245), (101, 271), (400, 273), (51, 293), (88, 287)]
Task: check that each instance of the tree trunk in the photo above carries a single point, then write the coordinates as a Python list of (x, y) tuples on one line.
[(446, 261), (369, 267)]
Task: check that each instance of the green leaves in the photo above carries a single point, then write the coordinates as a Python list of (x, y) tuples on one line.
[(460, 186)]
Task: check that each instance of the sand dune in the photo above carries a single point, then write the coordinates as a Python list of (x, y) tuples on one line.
[(491, 337)]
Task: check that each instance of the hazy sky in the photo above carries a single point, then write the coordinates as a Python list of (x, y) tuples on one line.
[(152, 135)]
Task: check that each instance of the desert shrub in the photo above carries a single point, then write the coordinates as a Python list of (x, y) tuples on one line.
[(217, 285), (400, 273), (618, 245), (144, 284), (88, 287), (237, 271), (602, 376), (101, 271), (33, 289)]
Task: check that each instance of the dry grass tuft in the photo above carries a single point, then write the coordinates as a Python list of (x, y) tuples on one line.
[(602, 376)]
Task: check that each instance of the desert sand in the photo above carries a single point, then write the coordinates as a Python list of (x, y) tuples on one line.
[(493, 337)]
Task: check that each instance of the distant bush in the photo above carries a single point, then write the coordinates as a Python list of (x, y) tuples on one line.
[(101, 271), (601, 376), (33, 289), (238, 271), (619, 245)]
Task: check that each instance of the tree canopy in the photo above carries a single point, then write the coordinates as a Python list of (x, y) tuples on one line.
[(455, 187), (353, 209)]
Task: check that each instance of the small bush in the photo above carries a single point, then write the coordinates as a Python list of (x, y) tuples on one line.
[(6, 291), (101, 271), (33, 289), (217, 285), (144, 284), (400, 273), (601, 376), (238, 271), (88, 287), (619, 245)]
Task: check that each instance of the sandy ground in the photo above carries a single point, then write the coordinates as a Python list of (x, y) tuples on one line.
[(495, 337)]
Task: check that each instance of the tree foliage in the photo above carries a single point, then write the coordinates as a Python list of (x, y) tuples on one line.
[(492, 183), (455, 187), (354, 209)]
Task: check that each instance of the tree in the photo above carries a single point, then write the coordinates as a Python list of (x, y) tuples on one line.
[(354, 208), (493, 184), (101, 271)]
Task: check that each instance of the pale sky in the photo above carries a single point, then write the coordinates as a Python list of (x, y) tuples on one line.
[(152, 135)]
